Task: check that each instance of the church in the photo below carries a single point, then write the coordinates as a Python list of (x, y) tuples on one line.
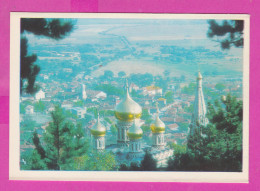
[(130, 146)]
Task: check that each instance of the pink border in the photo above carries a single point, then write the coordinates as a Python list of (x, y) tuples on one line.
[(137, 6)]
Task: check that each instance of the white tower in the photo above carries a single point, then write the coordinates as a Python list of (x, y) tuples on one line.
[(99, 132), (199, 113), (125, 112), (135, 134), (84, 94), (158, 129)]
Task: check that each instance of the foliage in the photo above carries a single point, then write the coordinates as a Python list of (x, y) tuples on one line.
[(220, 86), (110, 89), (189, 109), (106, 113), (78, 103), (145, 128), (123, 167), (148, 163), (113, 129), (219, 147), (51, 28), (161, 82), (108, 75), (141, 80), (166, 73), (145, 114), (29, 70), (190, 89), (169, 96), (134, 167), (98, 161), (121, 74), (36, 161), (25, 159), (183, 127), (137, 95), (39, 106), (230, 32), (62, 142)]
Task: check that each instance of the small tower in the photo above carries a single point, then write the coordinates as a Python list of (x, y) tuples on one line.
[(84, 94), (135, 134), (125, 112), (199, 113), (158, 129), (98, 131)]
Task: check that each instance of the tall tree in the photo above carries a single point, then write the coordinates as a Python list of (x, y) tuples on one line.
[(62, 142), (52, 28), (36, 162), (228, 33), (148, 163), (219, 147)]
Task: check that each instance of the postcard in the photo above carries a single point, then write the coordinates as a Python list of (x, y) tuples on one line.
[(129, 97)]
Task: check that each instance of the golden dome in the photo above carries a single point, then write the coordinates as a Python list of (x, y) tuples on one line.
[(158, 126), (128, 109), (135, 132), (98, 130), (199, 76)]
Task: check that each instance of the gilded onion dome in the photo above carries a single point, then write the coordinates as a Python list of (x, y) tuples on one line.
[(98, 130), (135, 132), (199, 76), (128, 109), (158, 126)]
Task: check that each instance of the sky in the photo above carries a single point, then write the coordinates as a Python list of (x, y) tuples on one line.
[(88, 31), (182, 33)]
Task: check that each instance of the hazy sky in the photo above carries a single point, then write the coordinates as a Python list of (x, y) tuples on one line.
[(87, 31)]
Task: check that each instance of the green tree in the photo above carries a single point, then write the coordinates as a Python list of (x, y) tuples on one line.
[(169, 96), (134, 167), (166, 73), (22, 108), (39, 106), (51, 28), (145, 128), (123, 167), (108, 74), (220, 86), (190, 89), (121, 74), (38, 147), (36, 162), (113, 129), (229, 32), (219, 147), (79, 103), (63, 141), (148, 163), (110, 89), (97, 161), (145, 114)]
